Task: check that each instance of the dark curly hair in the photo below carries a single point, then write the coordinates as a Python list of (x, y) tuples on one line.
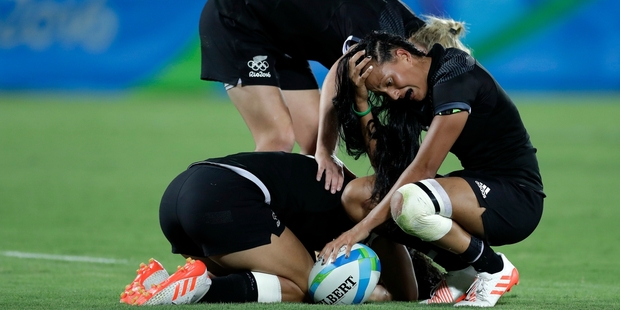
[(427, 274), (397, 128)]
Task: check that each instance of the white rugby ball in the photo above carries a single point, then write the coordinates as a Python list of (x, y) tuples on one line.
[(345, 280)]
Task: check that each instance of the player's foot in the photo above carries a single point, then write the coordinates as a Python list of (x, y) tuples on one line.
[(147, 276), (186, 286), (151, 274), (489, 287), (453, 287)]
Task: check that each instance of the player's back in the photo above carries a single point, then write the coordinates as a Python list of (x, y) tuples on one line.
[(314, 214), (317, 29)]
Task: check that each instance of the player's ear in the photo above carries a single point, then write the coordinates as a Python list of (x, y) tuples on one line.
[(403, 54)]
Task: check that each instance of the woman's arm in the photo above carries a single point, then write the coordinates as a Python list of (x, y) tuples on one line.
[(362, 106), (328, 130), (441, 135), (367, 127), (328, 135)]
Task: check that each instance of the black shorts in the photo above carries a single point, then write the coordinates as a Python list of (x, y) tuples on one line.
[(512, 210), (210, 210), (234, 53)]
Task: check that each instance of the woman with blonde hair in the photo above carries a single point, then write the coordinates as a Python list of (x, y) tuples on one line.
[(444, 31)]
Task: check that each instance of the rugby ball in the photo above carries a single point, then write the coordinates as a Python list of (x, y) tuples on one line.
[(346, 280)]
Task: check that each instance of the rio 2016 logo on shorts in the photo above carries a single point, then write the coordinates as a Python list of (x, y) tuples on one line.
[(346, 280), (258, 64)]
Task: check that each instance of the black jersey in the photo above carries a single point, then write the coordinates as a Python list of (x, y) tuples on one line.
[(494, 140), (317, 29), (314, 214)]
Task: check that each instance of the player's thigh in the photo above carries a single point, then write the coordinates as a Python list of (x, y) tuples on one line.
[(285, 256), (466, 210), (511, 210), (303, 106), (261, 106)]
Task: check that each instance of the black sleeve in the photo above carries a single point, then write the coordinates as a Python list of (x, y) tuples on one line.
[(459, 92)]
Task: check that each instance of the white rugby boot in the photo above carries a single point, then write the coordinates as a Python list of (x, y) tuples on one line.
[(489, 287)]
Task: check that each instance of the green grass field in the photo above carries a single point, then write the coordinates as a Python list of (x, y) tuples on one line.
[(81, 177)]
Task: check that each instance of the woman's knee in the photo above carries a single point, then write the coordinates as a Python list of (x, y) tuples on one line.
[(422, 209), (275, 140)]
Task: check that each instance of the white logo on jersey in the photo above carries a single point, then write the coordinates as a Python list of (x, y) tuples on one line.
[(275, 218), (259, 64), (483, 189)]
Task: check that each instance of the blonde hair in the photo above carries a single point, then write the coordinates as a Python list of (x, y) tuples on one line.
[(444, 31)]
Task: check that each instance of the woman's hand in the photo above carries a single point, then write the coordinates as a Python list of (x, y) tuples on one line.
[(334, 171), (347, 239), (358, 75)]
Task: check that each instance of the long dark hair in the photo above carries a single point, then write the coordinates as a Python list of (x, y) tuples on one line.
[(397, 128)]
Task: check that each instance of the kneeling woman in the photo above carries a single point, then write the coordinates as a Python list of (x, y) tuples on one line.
[(255, 220), (496, 199)]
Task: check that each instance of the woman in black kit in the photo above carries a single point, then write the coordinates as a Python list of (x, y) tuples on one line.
[(496, 199), (256, 220), (260, 50)]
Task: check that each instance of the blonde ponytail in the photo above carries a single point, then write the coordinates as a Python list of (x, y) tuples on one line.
[(444, 31)]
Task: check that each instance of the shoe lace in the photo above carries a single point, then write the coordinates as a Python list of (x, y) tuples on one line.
[(480, 287)]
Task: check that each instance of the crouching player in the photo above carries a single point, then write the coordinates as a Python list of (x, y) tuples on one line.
[(255, 221)]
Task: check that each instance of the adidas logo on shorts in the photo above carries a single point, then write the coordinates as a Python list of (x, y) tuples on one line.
[(483, 189)]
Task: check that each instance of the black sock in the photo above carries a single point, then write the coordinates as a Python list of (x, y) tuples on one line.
[(448, 260), (482, 257), (233, 288)]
